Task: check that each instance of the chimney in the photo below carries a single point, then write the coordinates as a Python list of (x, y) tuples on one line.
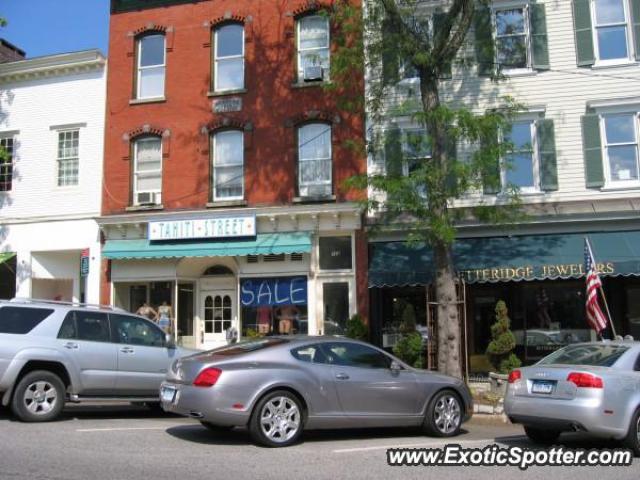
[(9, 52)]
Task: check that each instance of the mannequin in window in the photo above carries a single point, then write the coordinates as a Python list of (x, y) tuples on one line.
[(286, 315), (147, 311), (264, 319), (165, 314)]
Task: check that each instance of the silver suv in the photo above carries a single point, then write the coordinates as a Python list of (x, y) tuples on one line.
[(53, 352)]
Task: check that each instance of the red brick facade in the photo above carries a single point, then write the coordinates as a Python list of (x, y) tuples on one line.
[(271, 106)]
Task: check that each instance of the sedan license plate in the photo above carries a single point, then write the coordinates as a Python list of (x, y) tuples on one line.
[(542, 386), (167, 394)]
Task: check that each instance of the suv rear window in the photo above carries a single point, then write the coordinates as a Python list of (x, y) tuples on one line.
[(586, 354), (21, 320)]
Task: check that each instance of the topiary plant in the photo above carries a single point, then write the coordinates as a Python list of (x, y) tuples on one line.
[(409, 349), (500, 349), (356, 328)]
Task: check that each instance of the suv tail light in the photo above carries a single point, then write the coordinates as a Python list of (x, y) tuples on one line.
[(514, 376), (585, 380), (207, 377)]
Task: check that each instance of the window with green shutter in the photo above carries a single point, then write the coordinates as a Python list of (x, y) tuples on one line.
[(485, 53), (547, 155), (592, 149)]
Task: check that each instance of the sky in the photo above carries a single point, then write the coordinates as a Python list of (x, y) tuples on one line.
[(45, 27)]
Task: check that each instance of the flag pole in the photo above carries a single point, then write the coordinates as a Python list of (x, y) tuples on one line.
[(604, 298)]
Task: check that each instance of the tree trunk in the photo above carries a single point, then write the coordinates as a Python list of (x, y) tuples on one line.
[(448, 318), (445, 281)]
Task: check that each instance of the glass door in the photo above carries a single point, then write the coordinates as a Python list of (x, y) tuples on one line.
[(218, 310)]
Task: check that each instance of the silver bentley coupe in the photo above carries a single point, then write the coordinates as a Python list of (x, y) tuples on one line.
[(279, 386), (585, 387)]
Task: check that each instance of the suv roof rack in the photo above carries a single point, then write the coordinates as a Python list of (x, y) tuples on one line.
[(60, 302)]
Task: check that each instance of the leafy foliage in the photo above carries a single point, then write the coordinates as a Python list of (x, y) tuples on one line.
[(356, 328), (409, 349), (500, 349)]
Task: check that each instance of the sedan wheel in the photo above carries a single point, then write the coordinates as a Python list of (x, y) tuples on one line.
[(38, 397), (632, 440), (277, 420), (444, 415)]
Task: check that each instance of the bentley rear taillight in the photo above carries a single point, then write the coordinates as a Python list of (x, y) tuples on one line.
[(207, 377)]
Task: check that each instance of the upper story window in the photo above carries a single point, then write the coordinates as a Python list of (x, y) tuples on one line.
[(228, 71), (6, 163), (512, 37), (68, 157), (621, 148), (521, 166), (611, 29), (228, 165), (147, 171), (314, 160), (313, 48), (151, 66)]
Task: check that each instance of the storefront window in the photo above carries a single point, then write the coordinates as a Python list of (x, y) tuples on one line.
[(185, 309), (336, 307), (403, 309), (137, 297), (274, 306), (335, 253)]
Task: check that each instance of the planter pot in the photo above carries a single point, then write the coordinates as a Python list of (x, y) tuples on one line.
[(498, 383)]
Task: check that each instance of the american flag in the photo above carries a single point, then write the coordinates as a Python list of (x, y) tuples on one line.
[(595, 317)]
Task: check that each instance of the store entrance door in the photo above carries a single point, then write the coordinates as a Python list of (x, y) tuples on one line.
[(218, 311)]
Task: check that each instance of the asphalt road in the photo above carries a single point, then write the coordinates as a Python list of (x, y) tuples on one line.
[(123, 442)]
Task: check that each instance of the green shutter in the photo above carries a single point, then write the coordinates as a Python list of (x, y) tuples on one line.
[(452, 157), (492, 183), (539, 44), (635, 17), (485, 54), (583, 33), (393, 152), (390, 59), (592, 147), (438, 19), (547, 151)]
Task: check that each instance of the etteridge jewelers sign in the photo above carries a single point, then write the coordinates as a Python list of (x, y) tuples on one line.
[(216, 227)]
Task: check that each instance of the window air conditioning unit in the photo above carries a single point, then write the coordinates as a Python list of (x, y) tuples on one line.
[(315, 191), (147, 198), (313, 73)]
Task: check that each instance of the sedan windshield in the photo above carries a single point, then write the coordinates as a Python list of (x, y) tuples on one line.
[(594, 355)]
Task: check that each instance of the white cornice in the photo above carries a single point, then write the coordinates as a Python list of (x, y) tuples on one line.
[(51, 66)]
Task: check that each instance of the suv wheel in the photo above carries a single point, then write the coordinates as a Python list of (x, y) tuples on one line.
[(277, 420), (632, 439), (38, 397), (543, 437)]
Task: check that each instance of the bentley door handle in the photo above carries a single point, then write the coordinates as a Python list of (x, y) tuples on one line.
[(342, 376)]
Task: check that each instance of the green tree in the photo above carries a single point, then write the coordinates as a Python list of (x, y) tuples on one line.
[(500, 349), (420, 193)]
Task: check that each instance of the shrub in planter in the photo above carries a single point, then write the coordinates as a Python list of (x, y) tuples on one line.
[(500, 349), (409, 349), (356, 328)]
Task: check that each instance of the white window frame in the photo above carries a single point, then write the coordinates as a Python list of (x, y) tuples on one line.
[(609, 183), (59, 159), (513, 5), (300, 51), (629, 36), (535, 155), (300, 160), (217, 59), (137, 174), (10, 136), (214, 136), (140, 68)]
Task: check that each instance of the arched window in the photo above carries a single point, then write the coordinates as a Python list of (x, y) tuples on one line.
[(228, 57), (314, 160), (228, 165), (313, 48), (147, 171), (217, 270), (150, 66)]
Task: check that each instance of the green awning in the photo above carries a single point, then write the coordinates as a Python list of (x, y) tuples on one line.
[(504, 259), (262, 244), (4, 256)]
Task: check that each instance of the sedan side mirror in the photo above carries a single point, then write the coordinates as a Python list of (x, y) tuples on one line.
[(395, 368), (169, 342)]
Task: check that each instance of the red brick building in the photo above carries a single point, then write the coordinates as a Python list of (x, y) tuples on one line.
[(225, 160)]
